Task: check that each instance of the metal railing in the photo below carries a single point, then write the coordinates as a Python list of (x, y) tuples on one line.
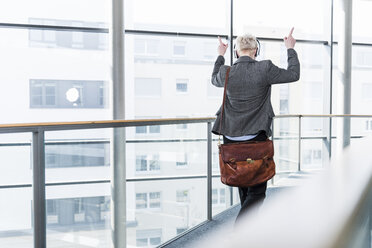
[(326, 138), (38, 156), (38, 162)]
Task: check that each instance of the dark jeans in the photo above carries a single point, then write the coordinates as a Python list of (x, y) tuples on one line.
[(254, 196)]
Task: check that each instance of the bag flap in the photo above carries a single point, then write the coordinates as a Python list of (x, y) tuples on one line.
[(249, 149)]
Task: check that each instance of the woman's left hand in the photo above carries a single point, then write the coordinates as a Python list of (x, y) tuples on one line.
[(222, 47)]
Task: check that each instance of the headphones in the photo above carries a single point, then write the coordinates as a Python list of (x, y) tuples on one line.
[(257, 51)]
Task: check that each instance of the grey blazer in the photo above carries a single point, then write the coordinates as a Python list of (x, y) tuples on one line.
[(248, 107)]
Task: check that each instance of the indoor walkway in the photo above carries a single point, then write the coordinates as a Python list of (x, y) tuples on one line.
[(226, 219)]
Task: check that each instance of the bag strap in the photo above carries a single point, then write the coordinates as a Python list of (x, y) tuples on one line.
[(223, 103)]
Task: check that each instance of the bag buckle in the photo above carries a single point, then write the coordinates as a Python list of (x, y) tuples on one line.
[(250, 161)]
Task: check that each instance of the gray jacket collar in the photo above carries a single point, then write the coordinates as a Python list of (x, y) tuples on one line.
[(245, 59)]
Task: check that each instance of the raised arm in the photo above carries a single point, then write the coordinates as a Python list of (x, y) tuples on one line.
[(218, 74), (276, 75)]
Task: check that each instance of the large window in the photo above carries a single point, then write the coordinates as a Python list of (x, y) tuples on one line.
[(52, 64), (177, 16), (271, 18)]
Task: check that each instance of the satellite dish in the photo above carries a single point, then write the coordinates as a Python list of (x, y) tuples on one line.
[(72, 95)]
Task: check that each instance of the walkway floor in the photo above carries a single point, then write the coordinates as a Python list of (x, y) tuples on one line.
[(226, 219)]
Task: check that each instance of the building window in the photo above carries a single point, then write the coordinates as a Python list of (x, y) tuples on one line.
[(179, 48), (153, 129), (182, 196), (181, 85), (148, 238), (86, 210), (59, 155), (147, 163), (43, 94), (181, 160), (311, 156), (141, 163), (141, 129), (150, 200), (147, 87), (141, 200), (218, 196), (66, 39), (146, 47), (154, 199), (49, 93)]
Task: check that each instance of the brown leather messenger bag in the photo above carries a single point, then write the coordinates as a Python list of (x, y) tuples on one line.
[(247, 163)]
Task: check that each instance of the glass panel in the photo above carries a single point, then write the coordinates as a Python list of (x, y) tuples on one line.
[(271, 18), (361, 18), (16, 203), (77, 155), (156, 82), (78, 215), (177, 16), (165, 215), (169, 152), (38, 83), (220, 196), (285, 146), (309, 95), (361, 94), (313, 154), (56, 12)]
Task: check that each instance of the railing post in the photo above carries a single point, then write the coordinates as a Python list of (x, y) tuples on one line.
[(299, 143), (209, 171), (38, 188)]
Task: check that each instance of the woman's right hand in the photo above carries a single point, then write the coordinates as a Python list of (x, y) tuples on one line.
[(289, 41), (222, 47)]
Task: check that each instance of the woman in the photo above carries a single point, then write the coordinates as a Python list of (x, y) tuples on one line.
[(248, 112)]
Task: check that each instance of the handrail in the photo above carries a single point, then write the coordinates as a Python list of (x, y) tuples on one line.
[(331, 210), (53, 126)]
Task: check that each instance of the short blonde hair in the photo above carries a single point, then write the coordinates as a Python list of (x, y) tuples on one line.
[(246, 42)]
